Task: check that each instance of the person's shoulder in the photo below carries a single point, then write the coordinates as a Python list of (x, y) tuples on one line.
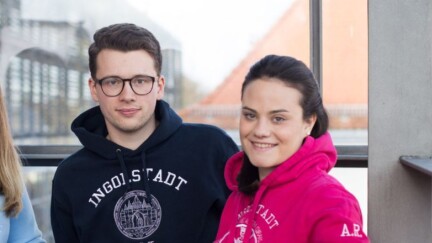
[(204, 129), (330, 190), (4, 221), (207, 135), (201, 126), (72, 161)]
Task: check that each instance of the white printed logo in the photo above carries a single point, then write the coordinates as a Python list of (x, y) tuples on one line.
[(241, 230), (354, 233), (136, 218)]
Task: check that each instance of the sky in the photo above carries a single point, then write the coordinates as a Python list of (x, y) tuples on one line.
[(215, 35)]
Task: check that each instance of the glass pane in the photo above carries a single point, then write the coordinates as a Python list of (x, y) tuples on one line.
[(284, 31), (38, 182), (208, 47), (344, 65)]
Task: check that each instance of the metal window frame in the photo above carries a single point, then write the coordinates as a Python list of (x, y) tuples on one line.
[(52, 155), (315, 26)]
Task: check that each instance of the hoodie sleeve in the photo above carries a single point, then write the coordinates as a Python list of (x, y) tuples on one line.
[(61, 219), (339, 219), (23, 228)]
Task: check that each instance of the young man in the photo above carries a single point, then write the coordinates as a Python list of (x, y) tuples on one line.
[(143, 175)]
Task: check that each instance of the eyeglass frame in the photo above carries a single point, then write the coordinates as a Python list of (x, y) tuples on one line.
[(124, 80)]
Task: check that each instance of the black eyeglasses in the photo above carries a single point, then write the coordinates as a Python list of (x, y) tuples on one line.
[(113, 86)]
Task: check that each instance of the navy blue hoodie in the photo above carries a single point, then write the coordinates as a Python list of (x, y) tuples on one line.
[(170, 189)]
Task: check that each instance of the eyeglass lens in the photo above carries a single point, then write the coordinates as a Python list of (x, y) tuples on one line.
[(141, 85)]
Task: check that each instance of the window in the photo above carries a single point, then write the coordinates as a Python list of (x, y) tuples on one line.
[(344, 69), (208, 47)]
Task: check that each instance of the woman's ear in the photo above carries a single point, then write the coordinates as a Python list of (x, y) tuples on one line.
[(310, 123)]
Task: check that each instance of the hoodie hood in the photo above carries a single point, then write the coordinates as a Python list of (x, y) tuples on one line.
[(298, 201), (318, 153), (91, 130)]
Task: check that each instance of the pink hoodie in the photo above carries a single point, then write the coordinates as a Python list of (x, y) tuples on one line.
[(297, 202)]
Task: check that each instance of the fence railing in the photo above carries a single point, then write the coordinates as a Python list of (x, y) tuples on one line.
[(355, 156)]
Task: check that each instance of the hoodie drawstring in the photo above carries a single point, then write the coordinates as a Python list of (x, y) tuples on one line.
[(144, 173), (251, 219), (123, 166)]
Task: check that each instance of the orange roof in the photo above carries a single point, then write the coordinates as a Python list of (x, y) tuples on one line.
[(344, 44), (293, 25)]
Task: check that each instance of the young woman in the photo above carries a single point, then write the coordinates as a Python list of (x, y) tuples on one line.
[(281, 190), (17, 221)]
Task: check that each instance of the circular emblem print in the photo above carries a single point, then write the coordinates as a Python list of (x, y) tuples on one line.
[(240, 232), (136, 218)]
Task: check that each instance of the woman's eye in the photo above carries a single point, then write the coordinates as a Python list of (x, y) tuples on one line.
[(278, 119), (249, 116)]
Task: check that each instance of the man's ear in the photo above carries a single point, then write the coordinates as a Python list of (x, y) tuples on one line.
[(161, 87), (93, 89)]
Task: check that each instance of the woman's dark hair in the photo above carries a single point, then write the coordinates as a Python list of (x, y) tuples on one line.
[(293, 73), (124, 37)]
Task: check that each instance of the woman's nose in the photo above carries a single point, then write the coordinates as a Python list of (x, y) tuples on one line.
[(262, 129)]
